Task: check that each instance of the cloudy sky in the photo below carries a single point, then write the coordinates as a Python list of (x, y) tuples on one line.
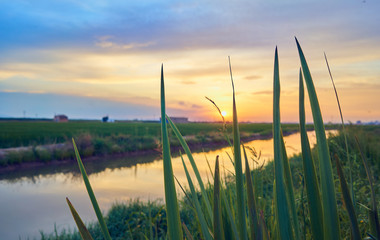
[(91, 58)]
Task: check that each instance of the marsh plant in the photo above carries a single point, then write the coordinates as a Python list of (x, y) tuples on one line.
[(231, 209)]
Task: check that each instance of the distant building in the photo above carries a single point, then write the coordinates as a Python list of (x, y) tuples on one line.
[(61, 118), (376, 122), (179, 119), (105, 119)]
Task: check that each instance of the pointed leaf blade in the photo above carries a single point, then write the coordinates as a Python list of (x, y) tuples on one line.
[(238, 169), (194, 197), (218, 224), (282, 208), (173, 219), (348, 202), (329, 205), (312, 187), (84, 233), (252, 209), (193, 165), (91, 194)]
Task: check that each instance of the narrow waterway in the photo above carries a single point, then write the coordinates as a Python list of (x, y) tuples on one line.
[(34, 199)]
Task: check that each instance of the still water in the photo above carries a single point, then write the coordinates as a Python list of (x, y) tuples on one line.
[(34, 199)]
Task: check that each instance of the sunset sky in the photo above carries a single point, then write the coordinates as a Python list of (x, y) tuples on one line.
[(92, 58)]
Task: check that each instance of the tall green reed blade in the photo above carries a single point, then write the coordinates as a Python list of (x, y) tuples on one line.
[(372, 224), (227, 208), (347, 201), (91, 194), (238, 168), (289, 188), (184, 192), (84, 233), (193, 165), (274, 219), (281, 204), (198, 208), (329, 206), (264, 227), (218, 224), (373, 212), (173, 219), (303, 207), (256, 232), (344, 133), (311, 180), (187, 232)]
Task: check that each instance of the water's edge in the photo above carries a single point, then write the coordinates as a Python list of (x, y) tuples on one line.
[(10, 171)]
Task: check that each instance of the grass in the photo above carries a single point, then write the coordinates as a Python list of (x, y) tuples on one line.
[(99, 139), (283, 212), (29, 133), (173, 220), (130, 220), (25, 133)]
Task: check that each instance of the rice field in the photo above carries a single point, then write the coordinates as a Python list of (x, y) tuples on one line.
[(29, 133)]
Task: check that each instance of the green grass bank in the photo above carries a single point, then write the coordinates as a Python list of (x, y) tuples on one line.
[(29, 141), (139, 220)]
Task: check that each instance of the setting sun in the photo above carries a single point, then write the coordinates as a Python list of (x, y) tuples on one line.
[(224, 113)]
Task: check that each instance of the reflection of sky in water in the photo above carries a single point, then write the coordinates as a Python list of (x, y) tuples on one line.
[(33, 205)]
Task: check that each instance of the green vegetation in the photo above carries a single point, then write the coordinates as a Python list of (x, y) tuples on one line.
[(269, 203), (131, 220), (47, 141), (173, 220), (29, 133)]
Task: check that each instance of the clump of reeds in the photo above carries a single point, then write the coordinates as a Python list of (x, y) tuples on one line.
[(234, 213)]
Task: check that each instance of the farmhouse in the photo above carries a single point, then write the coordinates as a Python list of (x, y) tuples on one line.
[(179, 119), (61, 118)]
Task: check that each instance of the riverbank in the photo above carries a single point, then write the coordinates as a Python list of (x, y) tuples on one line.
[(194, 146), (113, 179), (133, 219), (93, 145)]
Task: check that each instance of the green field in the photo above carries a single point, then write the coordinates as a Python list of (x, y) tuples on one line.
[(29, 133), (16, 134), (96, 138)]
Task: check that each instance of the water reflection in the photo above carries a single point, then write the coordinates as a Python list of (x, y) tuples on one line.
[(92, 167), (34, 199)]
